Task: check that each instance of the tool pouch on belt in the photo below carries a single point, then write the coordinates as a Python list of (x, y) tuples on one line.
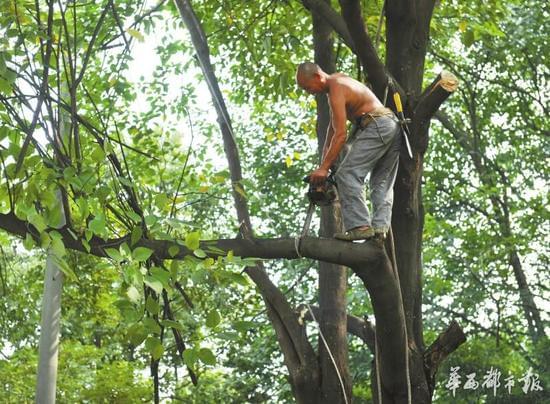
[(367, 118)]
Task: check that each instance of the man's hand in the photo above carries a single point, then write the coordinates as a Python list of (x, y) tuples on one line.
[(318, 176)]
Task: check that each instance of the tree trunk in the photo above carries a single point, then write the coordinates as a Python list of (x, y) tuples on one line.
[(407, 29), (332, 278)]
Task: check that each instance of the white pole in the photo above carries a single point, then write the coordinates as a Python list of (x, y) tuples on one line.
[(48, 348)]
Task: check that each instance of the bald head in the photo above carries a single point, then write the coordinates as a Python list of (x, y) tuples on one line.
[(310, 77), (307, 70)]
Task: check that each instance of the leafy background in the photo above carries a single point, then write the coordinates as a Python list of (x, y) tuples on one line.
[(485, 191)]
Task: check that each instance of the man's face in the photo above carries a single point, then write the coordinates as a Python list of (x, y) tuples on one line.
[(312, 85)]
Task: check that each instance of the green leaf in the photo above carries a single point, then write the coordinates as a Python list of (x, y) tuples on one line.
[(215, 250), (58, 247), (172, 324), (136, 334), (161, 200), (5, 86), (64, 267), (98, 155), (468, 38), (161, 275), (28, 243), (97, 225), (190, 357), (173, 250), (150, 220), (192, 240), (153, 283), (133, 275), (152, 305), (37, 221), (154, 346), (134, 216), (114, 254), (141, 253), (174, 266), (199, 253), (243, 326), (45, 240), (136, 235), (238, 278), (213, 319), (151, 325), (133, 294), (207, 356)]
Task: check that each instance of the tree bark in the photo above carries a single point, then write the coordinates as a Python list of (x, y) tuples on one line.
[(332, 278)]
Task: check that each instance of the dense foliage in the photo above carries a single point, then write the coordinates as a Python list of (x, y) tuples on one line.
[(144, 160)]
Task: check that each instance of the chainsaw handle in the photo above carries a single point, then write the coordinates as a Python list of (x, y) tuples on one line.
[(330, 179), (397, 100)]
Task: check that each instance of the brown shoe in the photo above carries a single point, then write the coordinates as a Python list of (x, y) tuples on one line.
[(356, 234)]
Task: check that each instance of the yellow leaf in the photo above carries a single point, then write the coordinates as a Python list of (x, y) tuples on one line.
[(297, 155), (269, 137), (238, 187), (288, 161), (136, 34), (280, 136), (462, 26), (204, 188)]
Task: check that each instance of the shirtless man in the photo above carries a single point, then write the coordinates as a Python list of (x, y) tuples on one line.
[(372, 148)]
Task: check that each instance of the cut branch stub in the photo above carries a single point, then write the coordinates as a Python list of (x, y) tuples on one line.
[(434, 95), (446, 343)]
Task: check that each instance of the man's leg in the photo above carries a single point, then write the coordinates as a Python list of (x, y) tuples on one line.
[(363, 154), (381, 185)]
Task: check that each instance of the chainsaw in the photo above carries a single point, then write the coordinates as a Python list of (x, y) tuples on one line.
[(318, 195)]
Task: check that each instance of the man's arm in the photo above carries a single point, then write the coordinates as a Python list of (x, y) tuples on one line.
[(337, 104), (328, 139)]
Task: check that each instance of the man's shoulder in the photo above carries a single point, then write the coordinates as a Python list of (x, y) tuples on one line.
[(338, 79), (337, 83)]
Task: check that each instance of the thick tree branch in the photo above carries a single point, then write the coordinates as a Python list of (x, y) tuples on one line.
[(365, 50), (331, 16), (329, 250), (434, 95), (298, 353)]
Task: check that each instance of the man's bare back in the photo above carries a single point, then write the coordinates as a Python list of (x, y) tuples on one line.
[(348, 100), (359, 99)]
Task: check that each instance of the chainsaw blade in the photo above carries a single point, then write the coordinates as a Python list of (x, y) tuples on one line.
[(309, 215)]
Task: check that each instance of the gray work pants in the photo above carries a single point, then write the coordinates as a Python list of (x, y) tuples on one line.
[(373, 150)]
